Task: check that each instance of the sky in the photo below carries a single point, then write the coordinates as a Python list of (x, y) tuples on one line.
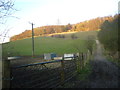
[(47, 12)]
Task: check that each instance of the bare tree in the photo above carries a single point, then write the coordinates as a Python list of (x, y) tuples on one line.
[(6, 9)]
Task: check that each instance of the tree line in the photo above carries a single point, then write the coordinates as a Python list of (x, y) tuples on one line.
[(88, 25), (108, 35)]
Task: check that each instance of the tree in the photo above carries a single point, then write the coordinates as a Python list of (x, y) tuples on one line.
[(6, 9), (73, 36), (69, 26), (89, 43), (93, 24), (108, 35)]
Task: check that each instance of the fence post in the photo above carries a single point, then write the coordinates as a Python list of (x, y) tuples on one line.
[(82, 60), (78, 63), (88, 55), (6, 73), (62, 72)]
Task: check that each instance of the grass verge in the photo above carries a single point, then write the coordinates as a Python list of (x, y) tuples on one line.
[(115, 61), (81, 76), (85, 72), (111, 59)]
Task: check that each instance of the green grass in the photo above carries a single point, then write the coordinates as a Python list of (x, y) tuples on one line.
[(82, 75), (109, 58), (84, 35), (116, 61), (85, 72), (48, 45)]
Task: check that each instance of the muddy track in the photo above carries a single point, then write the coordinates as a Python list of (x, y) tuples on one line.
[(104, 73)]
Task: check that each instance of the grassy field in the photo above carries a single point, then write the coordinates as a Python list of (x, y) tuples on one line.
[(83, 35), (48, 45)]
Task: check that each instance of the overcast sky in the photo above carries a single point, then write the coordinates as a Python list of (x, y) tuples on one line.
[(47, 12)]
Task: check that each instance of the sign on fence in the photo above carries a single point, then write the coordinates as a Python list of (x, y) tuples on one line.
[(58, 58), (69, 56), (49, 56)]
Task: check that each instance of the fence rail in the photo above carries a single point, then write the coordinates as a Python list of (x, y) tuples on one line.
[(21, 66)]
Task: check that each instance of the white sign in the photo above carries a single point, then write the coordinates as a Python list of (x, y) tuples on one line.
[(68, 56), (57, 58), (47, 56)]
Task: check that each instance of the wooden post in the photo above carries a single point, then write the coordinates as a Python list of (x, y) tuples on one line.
[(62, 72), (78, 63), (82, 56), (32, 41), (88, 55), (6, 74), (82, 60)]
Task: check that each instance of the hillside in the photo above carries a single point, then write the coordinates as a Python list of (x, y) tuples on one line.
[(89, 25), (48, 45)]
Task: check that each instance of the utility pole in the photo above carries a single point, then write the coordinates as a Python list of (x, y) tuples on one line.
[(32, 40)]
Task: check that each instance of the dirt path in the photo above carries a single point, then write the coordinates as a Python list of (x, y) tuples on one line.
[(104, 73)]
